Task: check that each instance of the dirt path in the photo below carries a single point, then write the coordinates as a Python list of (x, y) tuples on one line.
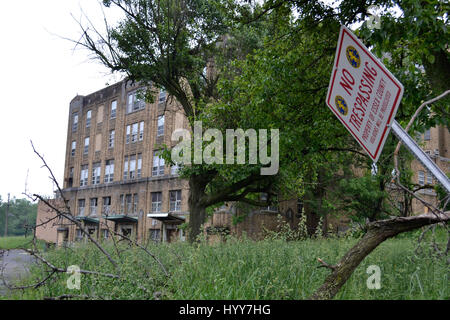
[(15, 264)]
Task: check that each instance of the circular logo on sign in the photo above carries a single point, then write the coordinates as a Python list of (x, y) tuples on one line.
[(353, 56), (341, 105)]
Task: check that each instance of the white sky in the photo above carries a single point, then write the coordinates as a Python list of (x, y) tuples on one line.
[(40, 74)]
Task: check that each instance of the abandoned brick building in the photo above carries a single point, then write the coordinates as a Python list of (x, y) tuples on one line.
[(115, 180), (114, 177)]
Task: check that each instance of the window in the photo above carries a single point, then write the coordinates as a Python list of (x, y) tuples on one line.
[(74, 147), (162, 95), (160, 126), (106, 205), (129, 168), (299, 208), (96, 170), (139, 166), (134, 132), (71, 177), (105, 233), (154, 235), (135, 202), (81, 205), (156, 201), (132, 167), (75, 122), (429, 178), (86, 145), (141, 131), (79, 235), (174, 169), (135, 102), (113, 109), (93, 206), (269, 208), (84, 176), (421, 176), (112, 135), (128, 134), (158, 165), (129, 203), (109, 171), (175, 200), (88, 118), (427, 135), (125, 168), (122, 203)]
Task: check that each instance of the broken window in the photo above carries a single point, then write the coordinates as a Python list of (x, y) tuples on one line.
[(175, 200), (156, 201)]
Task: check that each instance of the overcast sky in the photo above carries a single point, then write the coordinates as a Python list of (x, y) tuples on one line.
[(40, 74)]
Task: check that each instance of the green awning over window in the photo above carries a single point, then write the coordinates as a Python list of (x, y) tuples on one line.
[(88, 220), (121, 218)]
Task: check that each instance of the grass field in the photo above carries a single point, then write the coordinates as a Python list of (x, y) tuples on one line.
[(244, 269), (15, 242)]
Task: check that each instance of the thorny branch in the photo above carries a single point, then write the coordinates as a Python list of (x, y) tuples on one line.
[(53, 269)]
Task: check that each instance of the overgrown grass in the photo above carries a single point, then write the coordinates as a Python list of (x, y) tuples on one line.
[(244, 269), (16, 242)]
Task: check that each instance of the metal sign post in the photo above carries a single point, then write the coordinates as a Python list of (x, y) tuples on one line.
[(365, 96), (412, 146)]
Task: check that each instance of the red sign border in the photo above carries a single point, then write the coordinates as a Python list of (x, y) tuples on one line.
[(395, 81)]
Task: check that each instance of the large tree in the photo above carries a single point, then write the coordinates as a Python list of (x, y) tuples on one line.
[(168, 44)]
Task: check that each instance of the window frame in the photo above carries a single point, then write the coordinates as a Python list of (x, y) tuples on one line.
[(427, 135), (134, 132), (109, 171), (88, 118), (125, 168), (141, 130), (80, 210), (175, 202), (93, 206), (86, 146), (113, 110), (160, 127), (106, 208), (73, 148), (84, 175), (75, 120), (112, 137), (135, 104), (159, 169), (156, 201), (96, 173), (421, 178)]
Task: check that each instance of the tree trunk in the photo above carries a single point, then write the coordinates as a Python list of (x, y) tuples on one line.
[(377, 232), (197, 211)]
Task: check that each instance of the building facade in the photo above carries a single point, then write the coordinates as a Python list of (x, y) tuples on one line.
[(115, 179), (436, 143)]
